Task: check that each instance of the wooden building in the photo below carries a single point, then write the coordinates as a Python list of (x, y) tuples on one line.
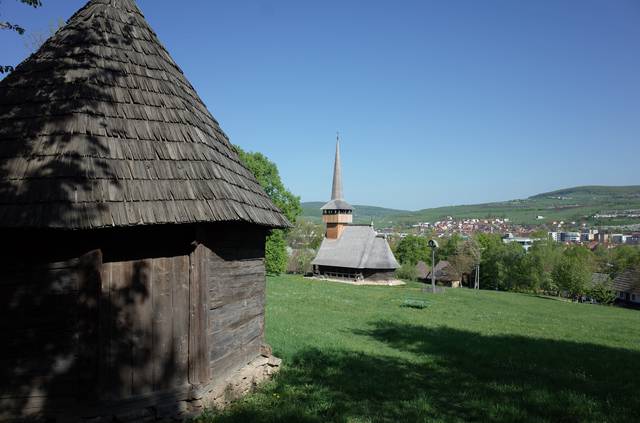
[(422, 270), (350, 252), (132, 278), (445, 275), (627, 287)]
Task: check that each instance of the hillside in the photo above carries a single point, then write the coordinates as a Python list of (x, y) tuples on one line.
[(362, 214), (595, 192), (572, 204), (355, 354)]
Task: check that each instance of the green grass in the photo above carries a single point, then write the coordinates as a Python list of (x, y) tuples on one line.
[(354, 354)]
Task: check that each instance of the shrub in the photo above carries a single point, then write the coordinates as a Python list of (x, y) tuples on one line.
[(407, 272), (275, 254), (412, 249), (603, 292), (300, 261)]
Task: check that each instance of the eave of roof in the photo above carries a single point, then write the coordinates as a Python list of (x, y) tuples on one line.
[(337, 205)]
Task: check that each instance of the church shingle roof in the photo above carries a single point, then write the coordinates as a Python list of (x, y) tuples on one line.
[(359, 247)]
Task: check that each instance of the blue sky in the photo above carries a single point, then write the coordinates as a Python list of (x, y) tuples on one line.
[(438, 102)]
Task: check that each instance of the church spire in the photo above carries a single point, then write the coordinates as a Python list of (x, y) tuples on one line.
[(337, 213), (336, 190)]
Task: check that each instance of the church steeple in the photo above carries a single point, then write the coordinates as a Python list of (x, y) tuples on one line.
[(336, 190), (337, 213)]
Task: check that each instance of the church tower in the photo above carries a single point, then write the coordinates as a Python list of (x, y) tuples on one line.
[(337, 214)]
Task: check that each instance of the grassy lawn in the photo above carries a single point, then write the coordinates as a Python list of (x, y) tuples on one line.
[(354, 354)]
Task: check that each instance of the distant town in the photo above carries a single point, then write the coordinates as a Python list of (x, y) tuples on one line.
[(559, 231)]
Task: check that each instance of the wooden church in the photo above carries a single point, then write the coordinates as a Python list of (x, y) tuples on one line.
[(353, 253), (132, 278)]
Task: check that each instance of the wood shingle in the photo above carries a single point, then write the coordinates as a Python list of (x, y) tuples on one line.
[(101, 128)]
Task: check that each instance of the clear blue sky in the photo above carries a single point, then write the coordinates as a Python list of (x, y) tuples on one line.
[(438, 102)]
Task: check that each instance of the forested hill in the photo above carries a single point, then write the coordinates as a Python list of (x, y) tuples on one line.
[(362, 214), (571, 204)]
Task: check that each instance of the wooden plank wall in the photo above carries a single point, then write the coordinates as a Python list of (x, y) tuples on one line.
[(199, 372), (104, 328), (47, 315), (236, 278), (144, 326)]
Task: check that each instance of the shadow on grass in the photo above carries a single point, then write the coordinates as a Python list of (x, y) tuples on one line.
[(450, 375)]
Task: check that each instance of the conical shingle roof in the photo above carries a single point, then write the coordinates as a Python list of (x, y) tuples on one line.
[(337, 197), (101, 128)]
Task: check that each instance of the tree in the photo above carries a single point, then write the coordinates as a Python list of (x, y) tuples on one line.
[(300, 261), (266, 172), (412, 249), (492, 273), (305, 234), (5, 25), (304, 239), (275, 252), (572, 274), (449, 247), (407, 272), (516, 268), (466, 257), (546, 256), (622, 258), (602, 292)]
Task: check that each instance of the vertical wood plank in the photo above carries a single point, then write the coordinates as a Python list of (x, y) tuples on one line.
[(179, 277), (162, 355), (121, 330), (203, 356), (199, 372), (141, 285), (89, 285), (107, 371)]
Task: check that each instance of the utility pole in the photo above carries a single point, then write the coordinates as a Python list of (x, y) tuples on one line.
[(479, 259), (433, 244), (433, 270)]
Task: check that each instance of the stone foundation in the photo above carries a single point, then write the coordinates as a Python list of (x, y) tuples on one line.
[(179, 405), (235, 386)]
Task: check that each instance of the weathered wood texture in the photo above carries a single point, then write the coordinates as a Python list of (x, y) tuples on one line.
[(99, 332), (199, 373), (236, 280), (100, 128), (146, 326)]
